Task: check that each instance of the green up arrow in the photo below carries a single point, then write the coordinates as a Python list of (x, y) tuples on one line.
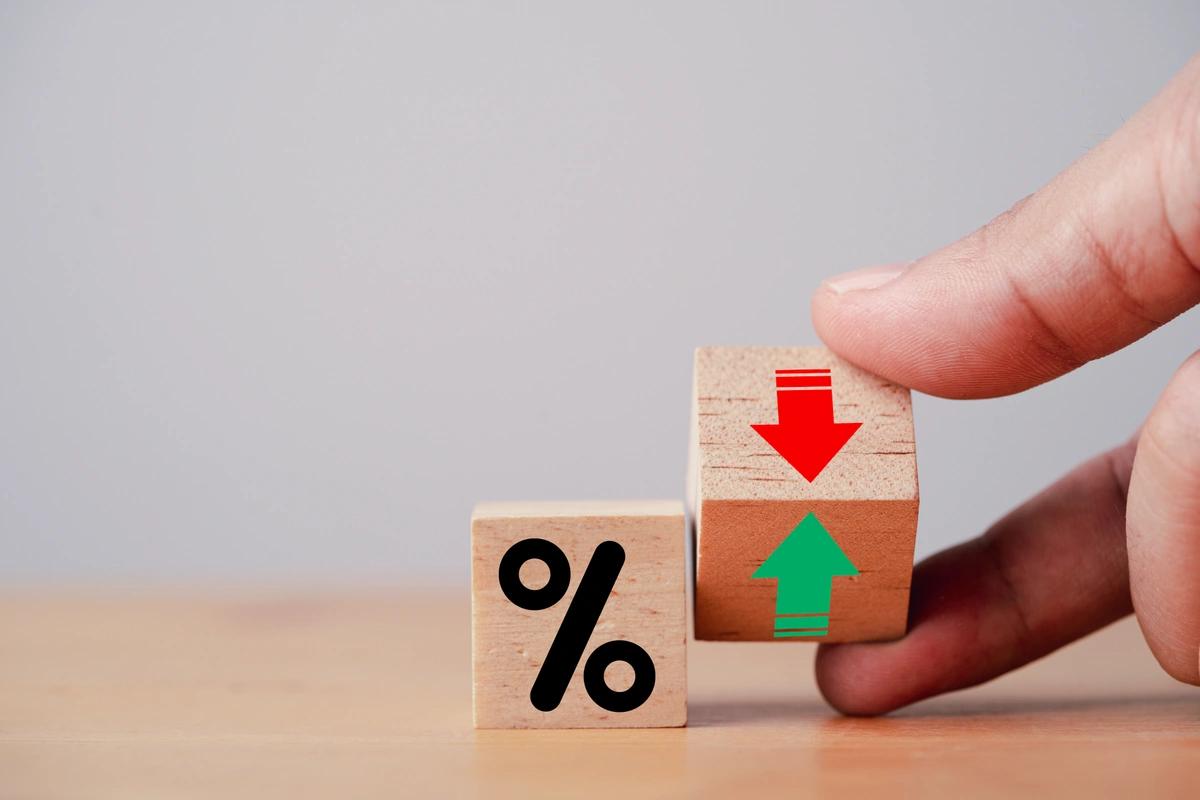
[(804, 565)]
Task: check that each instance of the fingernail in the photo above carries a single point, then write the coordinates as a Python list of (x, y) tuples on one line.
[(866, 278)]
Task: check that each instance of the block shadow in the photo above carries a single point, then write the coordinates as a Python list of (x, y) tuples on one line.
[(716, 713)]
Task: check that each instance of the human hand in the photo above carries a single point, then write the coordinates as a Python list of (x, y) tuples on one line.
[(1104, 254)]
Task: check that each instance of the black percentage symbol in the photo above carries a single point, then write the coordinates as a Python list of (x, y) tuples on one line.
[(578, 623)]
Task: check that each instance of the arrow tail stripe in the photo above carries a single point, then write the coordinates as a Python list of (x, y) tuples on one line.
[(793, 634), (803, 372), (801, 623), (798, 381)]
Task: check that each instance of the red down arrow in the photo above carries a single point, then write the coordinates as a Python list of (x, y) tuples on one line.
[(806, 434)]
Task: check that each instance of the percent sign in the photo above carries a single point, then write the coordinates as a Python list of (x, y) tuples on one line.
[(577, 625)]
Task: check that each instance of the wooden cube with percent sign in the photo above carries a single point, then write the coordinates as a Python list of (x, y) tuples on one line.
[(803, 486), (578, 615)]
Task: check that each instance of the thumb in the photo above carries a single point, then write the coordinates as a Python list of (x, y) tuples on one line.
[(1163, 526), (1101, 256)]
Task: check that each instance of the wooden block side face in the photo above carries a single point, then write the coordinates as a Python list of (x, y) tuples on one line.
[(878, 537), (735, 388), (646, 607)]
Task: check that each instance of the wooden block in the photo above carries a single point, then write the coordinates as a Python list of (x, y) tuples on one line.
[(601, 583), (844, 573)]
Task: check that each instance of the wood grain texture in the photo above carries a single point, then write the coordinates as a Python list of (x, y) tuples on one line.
[(746, 498), (734, 387), (647, 607), (304, 694)]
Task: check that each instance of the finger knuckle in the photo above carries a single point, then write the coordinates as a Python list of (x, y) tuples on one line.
[(1179, 167)]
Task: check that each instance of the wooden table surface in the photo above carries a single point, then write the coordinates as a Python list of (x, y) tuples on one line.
[(165, 694)]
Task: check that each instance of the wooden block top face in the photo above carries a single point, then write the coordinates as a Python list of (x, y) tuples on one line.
[(514, 644), (735, 388)]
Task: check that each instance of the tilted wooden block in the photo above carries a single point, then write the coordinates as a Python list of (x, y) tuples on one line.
[(826, 557), (578, 615)]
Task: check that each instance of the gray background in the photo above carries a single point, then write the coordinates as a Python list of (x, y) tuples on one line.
[(286, 288)]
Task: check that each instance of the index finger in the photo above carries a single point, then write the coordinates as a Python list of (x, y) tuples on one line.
[(1104, 254)]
